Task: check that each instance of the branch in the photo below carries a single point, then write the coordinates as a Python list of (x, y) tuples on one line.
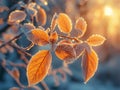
[(71, 38)]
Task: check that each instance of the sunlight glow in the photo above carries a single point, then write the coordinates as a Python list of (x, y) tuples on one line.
[(108, 11)]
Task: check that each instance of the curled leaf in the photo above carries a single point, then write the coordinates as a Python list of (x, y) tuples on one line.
[(53, 37), (38, 67), (64, 23), (81, 25), (96, 40), (16, 16), (41, 16), (53, 22), (65, 52), (89, 64), (38, 37)]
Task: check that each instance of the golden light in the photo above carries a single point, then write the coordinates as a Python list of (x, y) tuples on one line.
[(108, 11)]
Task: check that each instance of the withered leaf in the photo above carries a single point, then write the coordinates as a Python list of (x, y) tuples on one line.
[(81, 25), (53, 37), (38, 67), (80, 47), (16, 16), (96, 40), (89, 64), (41, 16), (38, 37), (65, 52), (64, 23)]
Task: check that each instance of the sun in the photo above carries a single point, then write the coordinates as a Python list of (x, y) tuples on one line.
[(108, 11)]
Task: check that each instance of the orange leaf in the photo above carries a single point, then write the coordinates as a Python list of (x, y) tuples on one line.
[(41, 16), (16, 16), (64, 23), (38, 37), (38, 67), (53, 37), (89, 64), (81, 25), (96, 40), (65, 52)]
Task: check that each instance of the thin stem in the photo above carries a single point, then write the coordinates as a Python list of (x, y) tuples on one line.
[(44, 85), (71, 38), (16, 79), (16, 37)]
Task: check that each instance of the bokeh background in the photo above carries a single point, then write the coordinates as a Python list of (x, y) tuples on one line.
[(103, 17)]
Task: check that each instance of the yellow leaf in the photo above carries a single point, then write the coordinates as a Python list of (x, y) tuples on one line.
[(81, 25), (38, 37), (96, 40), (65, 52), (89, 64), (16, 16), (38, 67), (64, 23)]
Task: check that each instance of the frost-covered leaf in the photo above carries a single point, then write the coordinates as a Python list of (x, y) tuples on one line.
[(38, 67), (89, 64), (27, 27), (16, 16), (80, 47), (38, 37), (96, 40), (81, 25), (41, 16), (65, 52), (64, 23), (53, 22)]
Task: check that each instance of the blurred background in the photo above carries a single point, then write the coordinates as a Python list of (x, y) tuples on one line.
[(103, 17)]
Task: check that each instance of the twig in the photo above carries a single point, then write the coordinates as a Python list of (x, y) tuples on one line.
[(44, 85), (19, 49), (17, 80), (16, 37), (17, 65), (71, 38)]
